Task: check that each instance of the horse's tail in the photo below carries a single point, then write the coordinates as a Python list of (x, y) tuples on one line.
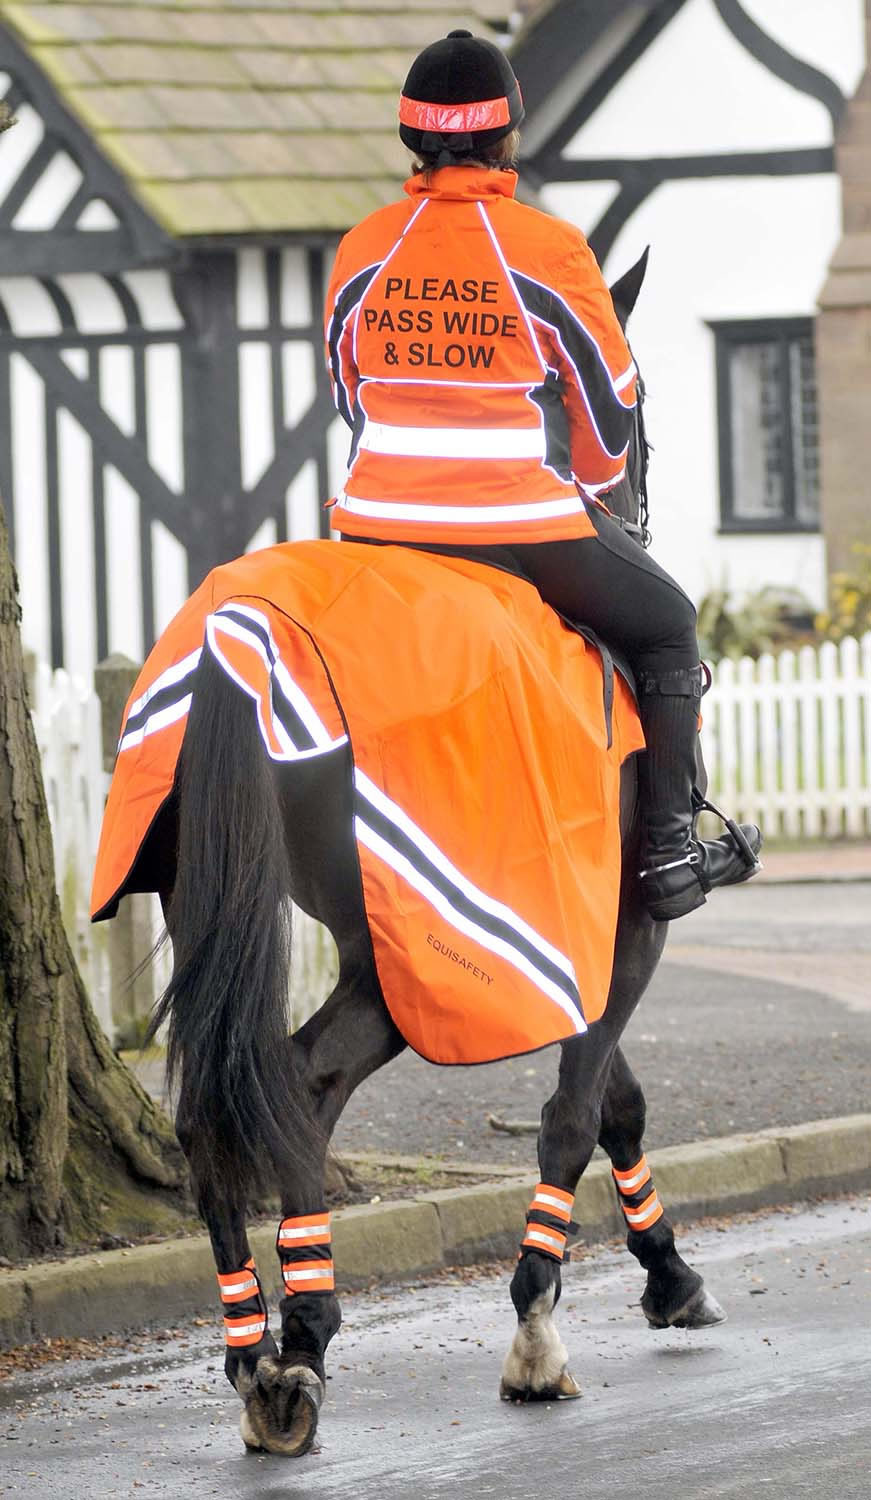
[(240, 1118)]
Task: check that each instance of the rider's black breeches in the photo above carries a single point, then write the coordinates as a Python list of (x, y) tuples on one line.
[(609, 583)]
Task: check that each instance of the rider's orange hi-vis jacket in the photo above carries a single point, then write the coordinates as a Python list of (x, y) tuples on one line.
[(475, 353)]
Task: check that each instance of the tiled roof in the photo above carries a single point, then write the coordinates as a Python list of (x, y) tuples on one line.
[(244, 116)]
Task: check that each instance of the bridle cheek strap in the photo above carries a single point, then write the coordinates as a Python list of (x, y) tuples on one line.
[(245, 1316), (304, 1244)]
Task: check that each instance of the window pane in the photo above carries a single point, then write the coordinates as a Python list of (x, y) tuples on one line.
[(803, 421), (757, 432)]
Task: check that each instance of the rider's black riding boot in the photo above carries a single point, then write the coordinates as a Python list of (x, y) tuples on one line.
[(677, 868)]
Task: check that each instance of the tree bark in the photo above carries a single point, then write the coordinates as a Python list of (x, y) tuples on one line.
[(84, 1151)]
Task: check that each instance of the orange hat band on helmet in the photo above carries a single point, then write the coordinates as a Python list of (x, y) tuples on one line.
[(452, 119)]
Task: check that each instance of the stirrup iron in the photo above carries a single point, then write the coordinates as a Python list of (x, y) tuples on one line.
[(691, 869), (739, 837)]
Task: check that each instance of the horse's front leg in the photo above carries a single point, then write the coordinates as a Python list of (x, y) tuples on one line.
[(536, 1366), (675, 1295), (346, 1040)]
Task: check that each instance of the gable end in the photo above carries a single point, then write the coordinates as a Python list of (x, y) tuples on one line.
[(52, 177)]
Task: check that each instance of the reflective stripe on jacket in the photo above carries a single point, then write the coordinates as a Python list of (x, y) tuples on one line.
[(475, 354)]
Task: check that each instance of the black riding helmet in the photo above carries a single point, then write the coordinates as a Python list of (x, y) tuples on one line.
[(460, 96)]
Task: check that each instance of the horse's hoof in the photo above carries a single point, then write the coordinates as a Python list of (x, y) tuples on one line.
[(700, 1311), (566, 1388), (281, 1410), (248, 1435)]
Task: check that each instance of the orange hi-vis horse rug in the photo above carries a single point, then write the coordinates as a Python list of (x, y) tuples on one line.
[(486, 795)]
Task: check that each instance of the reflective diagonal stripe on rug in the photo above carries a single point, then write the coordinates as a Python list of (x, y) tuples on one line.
[(167, 700), (289, 723), (388, 832)]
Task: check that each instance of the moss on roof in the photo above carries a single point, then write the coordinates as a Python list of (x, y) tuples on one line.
[(235, 116)]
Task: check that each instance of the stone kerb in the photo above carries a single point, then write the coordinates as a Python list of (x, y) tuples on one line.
[(119, 1289)]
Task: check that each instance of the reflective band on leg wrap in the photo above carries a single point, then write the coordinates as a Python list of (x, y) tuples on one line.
[(242, 1296), (307, 1229), (304, 1249), (308, 1276), (632, 1181), (637, 1196), (553, 1201), (548, 1221)]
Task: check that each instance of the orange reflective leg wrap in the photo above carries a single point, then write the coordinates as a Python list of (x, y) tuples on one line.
[(637, 1196), (245, 1319), (304, 1245), (549, 1221)]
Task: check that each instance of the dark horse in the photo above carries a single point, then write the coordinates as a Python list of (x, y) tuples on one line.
[(255, 1105)]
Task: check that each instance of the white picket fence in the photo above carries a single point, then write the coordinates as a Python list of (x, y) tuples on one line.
[(787, 740), (787, 743), (66, 718)]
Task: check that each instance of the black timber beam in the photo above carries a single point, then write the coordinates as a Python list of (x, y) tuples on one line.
[(51, 252), (638, 179), (217, 522), (653, 170)]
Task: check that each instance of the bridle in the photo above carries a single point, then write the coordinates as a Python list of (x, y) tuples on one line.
[(634, 482)]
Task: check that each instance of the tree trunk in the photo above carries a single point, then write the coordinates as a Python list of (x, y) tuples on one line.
[(84, 1152)]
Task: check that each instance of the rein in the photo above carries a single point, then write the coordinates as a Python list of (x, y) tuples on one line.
[(634, 483), (641, 451)]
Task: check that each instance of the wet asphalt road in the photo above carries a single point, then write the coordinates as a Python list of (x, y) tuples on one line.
[(775, 1401), (759, 1015)]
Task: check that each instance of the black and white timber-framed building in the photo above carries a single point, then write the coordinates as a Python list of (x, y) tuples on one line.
[(170, 198)]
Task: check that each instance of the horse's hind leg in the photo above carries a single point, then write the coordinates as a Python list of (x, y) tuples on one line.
[(224, 1215), (346, 1040), (675, 1295), (223, 1210)]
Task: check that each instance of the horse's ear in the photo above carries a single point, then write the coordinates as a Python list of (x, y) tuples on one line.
[(624, 293)]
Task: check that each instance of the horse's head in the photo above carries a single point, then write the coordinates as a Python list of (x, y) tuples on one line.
[(628, 499)]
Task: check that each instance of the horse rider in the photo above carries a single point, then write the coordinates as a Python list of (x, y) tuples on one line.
[(476, 356)]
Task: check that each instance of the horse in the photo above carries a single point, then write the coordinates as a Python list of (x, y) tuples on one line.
[(240, 835)]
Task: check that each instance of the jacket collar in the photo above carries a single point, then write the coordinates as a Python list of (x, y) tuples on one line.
[(469, 183)]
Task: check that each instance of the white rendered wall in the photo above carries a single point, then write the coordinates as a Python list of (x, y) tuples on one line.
[(721, 248)]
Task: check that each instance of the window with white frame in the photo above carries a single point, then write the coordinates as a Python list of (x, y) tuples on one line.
[(767, 422)]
